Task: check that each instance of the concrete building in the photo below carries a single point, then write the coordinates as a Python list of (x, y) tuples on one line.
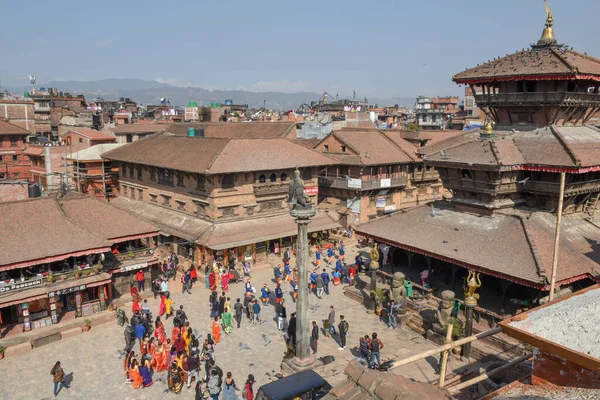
[(506, 183), (378, 173), (434, 112), (14, 163), (219, 190)]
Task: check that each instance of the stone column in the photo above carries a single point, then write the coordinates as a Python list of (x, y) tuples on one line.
[(303, 323), (470, 304)]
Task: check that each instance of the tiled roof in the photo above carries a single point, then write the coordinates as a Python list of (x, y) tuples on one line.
[(553, 146), (36, 229), (514, 246), (103, 219), (535, 61), (6, 128), (218, 155), (91, 134), (374, 147)]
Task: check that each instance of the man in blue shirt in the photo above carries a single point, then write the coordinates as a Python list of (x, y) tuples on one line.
[(139, 332), (326, 280), (329, 255), (318, 257), (278, 294), (287, 272), (265, 295), (338, 265), (277, 273), (313, 277), (342, 252)]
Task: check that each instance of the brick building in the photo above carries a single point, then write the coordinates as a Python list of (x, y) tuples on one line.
[(18, 112), (222, 191), (56, 261), (378, 173), (14, 163), (132, 132)]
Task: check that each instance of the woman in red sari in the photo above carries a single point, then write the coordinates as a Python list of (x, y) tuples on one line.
[(193, 274), (159, 359), (136, 306), (159, 331), (225, 281), (134, 374), (162, 308), (212, 281), (135, 295)]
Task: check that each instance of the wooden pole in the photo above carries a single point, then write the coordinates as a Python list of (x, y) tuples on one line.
[(445, 356), (484, 376), (445, 347), (557, 234)]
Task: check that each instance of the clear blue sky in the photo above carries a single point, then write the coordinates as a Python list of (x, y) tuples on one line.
[(378, 48)]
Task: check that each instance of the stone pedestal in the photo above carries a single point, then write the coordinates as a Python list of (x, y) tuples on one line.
[(470, 304)]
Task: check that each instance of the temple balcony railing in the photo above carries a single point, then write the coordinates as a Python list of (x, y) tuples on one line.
[(267, 188), (493, 187), (424, 175), (538, 98), (553, 188)]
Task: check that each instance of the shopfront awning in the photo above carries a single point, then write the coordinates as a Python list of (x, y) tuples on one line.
[(240, 233), (170, 222), (20, 296)]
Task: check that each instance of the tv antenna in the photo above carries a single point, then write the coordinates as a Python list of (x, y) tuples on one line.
[(32, 82)]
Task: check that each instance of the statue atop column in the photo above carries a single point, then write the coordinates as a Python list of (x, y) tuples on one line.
[(374, 256), (297, 199)]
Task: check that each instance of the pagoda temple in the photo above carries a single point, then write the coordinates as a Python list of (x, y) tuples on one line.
[(504, 183)]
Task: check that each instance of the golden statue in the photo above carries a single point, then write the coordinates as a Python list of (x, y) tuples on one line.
[(549, 18), (374, 253), (473, 283)]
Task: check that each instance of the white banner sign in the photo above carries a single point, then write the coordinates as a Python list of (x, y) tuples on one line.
[(134, 267), (390, 208), (386, 182), (354, 183)]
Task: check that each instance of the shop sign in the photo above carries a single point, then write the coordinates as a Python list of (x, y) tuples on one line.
[(380, 202), (386, 182), (390, 208), (60, 292), (354, 183), (20, 285), (311, 190), (133, 267), (8, 152)]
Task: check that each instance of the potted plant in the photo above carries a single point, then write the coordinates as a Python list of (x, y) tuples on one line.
[(87, 325), (131, 255), (2, 348), (86, 272), (97, 268), (62, 277), (50, 277), (77, 274)]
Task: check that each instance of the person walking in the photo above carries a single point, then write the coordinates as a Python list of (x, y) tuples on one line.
[(326, 280), (343, 329), (168, 305), (193, 366), (248, 306), (216, 330), (331, 321), (181, 316), (213, 385), (129, 335), (248, 393), (314, 337), (238, 309), (278, 294), (376, 347), (139, 276), (280, 311), (186, 280), (256, 312), (229, 388), (58, 377), (320, 286)]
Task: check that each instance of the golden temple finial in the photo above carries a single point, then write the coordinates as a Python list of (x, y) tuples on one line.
[(548, 38)]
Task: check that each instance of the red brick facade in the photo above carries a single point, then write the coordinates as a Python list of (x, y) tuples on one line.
[(549, 368)]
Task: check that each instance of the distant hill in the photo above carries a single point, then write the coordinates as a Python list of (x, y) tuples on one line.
[(150, 92)]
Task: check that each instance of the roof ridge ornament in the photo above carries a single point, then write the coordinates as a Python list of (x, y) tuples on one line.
[(548, 38)]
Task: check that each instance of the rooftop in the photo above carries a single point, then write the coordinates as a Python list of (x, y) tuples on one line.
[(6, 128), (93, 153), (516, 245), (219, 155), (91, 134), (552, 146)]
